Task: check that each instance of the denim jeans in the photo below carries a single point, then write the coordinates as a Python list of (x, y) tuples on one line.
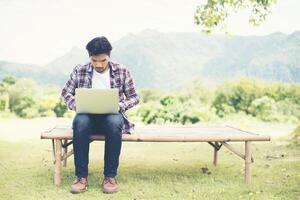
[(108, 124)]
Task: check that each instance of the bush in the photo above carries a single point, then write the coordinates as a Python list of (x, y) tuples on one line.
[(22, 89), (149, 95), (25, 107), (170, 109), (235, 96), (69, 114), (2, 103), (263, 108), (148, 111), (46, 106), (288, 108), (295, 137), (60, 108), (29, 113), (265, 100)]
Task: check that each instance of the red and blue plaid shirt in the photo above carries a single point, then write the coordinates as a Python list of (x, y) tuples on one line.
[(120, 78)]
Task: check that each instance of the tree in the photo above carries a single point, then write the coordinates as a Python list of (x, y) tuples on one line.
[(214, 13), (60, 108), (9, 80), (5, 85)]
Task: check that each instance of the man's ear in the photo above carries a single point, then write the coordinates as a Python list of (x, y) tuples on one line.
[(108, 53)]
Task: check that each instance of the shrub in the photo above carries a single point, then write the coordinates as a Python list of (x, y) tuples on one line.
[(24, 107), (60, 108), (29, 112), (46, 106), (295, 137), (288, 108), (263, 108), (2, 103), (170, 109), (264, 100), (237, 95)]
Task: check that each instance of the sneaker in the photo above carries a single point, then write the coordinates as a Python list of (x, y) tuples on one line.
[(79, 185), (109, 185)]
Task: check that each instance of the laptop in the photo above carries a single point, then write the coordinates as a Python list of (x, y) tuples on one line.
[(96, 101)]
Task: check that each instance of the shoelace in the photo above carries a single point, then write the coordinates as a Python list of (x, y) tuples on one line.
[(81, 180), (110, 180)]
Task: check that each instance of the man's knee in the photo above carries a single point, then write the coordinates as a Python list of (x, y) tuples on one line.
[(82, 121), (114, 122)]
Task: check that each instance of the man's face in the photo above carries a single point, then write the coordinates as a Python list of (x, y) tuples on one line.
[(100, 62)]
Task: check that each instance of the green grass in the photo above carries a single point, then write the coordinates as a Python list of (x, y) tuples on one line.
[(154, 171)]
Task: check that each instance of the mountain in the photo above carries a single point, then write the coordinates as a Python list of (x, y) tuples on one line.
[(170, 60), (19, 70), (67, 62), (165, 60), (274, 57)]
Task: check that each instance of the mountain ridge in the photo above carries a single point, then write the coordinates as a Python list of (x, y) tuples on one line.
[(170, 60)]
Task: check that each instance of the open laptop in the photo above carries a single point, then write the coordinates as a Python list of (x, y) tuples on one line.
[(96, 101)]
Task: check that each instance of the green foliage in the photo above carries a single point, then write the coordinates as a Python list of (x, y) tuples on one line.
[(9, 80), (264, 100), (272, 102), (4, 96), (235, 96), (263, 108), (24, 107), (171, 109), (197, 92), (149, 95), (295, 137), (23, 88), (60, 108), (288, 108), (214, 13), (2, 103), (267, 101), (27, 99)]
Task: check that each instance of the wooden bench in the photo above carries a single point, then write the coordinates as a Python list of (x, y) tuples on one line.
[(216, 136)]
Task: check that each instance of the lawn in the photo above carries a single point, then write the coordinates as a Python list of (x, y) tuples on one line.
[(147, 170)]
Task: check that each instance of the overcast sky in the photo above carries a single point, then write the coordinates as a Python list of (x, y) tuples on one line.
[(38, 31)]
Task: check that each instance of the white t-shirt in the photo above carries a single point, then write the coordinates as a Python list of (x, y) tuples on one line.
[(101, 80)]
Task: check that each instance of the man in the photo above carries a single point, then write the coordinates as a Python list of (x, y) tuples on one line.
[(100, 72)]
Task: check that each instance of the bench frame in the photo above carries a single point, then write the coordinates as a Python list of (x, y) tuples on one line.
[(61, 154), (60, 145)]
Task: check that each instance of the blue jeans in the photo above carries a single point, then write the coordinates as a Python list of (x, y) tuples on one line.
[(108, 124)]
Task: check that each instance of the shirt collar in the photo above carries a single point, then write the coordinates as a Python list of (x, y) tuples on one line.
[(112, 66), (90, 67)]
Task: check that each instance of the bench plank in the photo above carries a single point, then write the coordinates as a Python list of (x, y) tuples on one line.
[(169, 134)]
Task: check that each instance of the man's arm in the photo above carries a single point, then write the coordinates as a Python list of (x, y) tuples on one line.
[(68, 91), (131, 96)]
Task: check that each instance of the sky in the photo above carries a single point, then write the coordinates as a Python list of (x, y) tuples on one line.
[(38, 31)]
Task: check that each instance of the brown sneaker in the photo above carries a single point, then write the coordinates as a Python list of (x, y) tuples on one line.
[(109, 185), (80, 185)]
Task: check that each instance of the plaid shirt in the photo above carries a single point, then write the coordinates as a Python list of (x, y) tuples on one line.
[(120, 78)]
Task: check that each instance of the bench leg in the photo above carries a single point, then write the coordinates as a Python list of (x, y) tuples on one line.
[(57, 167), (215, 155), (248, 162), (65, 151)]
